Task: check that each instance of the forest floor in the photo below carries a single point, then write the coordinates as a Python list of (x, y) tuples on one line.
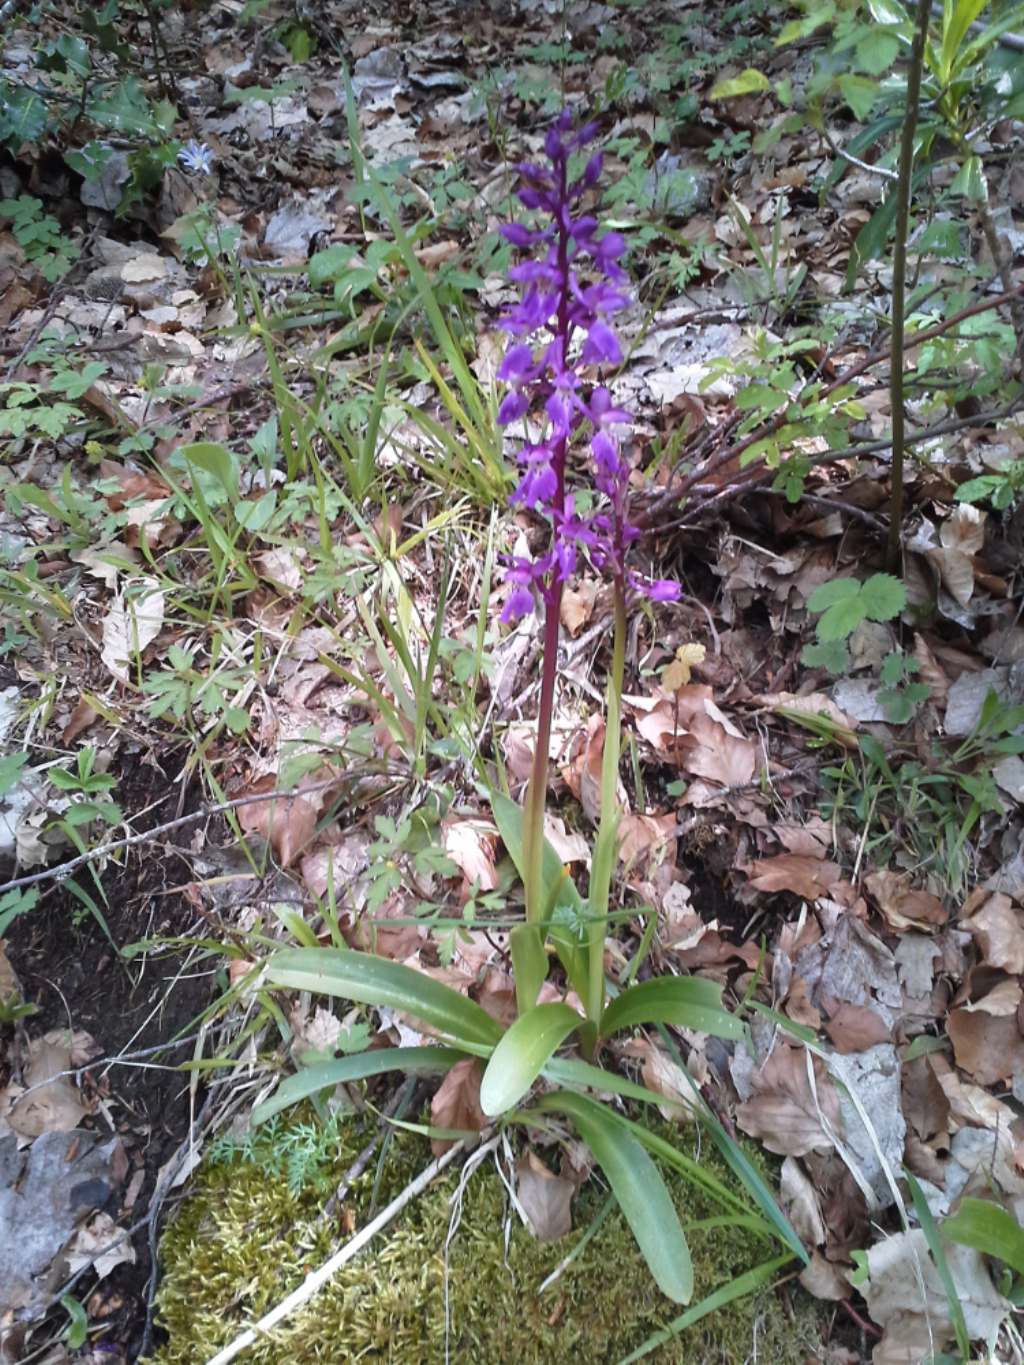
[(822, 779)]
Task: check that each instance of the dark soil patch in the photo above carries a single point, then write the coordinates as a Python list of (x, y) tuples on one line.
[(73, 974)]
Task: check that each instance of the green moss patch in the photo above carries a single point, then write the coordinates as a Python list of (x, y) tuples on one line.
[(244, 1239)]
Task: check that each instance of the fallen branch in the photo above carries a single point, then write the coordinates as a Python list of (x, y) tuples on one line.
[(314, 1282)]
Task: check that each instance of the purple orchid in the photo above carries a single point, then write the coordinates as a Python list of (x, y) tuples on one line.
[(546, 391)]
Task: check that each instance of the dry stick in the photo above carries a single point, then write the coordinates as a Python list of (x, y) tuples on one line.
[(904, 189), (865, 363), (314, 1282), (63, 870)]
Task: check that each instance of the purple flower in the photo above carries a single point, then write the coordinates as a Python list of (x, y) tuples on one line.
[(570, 288), (196, 157)]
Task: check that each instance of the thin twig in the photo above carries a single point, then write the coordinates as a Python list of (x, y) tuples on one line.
[(394, 1107), (63, 870), (843, 155), (314, 1282)]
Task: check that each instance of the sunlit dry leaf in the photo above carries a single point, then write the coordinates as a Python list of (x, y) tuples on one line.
[(677, 674), (546, 1198), (97, 1235), (810, 878), (660, 1073), (471, 844), (802, 1203), (811, 838), (646, 837), (785, 1113), (578, 606), (571, 848), (132, 623), (998, 929), (282, 567), (456, 1103), (824, 1280)]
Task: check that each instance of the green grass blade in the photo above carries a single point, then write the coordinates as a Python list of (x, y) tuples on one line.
[(931, 1236)]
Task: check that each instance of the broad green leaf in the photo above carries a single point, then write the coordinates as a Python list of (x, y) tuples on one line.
[(883, 596), (828, 594), (877, 51), (831, 655), (529, 963), (686, 1001), (373, 980), (519, 1058), (970, 181), (643, 1198), (325, 1075), (748, 82), (860, 93), (802, 28), (987, 1227), (217, 460)]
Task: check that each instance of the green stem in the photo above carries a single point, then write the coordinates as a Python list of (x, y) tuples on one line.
[(904, 190), (607, 845), (536, 792)]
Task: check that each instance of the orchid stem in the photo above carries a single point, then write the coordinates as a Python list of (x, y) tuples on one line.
[(607, 846), (536, 792)]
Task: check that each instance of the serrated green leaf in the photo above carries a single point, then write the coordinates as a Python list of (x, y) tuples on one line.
[(883, 597), (841, 619), (877, 50), (835, 590), (831, 655), (860, 93)]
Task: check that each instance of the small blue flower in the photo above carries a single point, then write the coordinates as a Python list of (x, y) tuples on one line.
[(196, 157)]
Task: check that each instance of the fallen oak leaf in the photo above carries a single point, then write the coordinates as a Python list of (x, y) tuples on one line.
[(811, 878), (544, 1197), (456, 1103)]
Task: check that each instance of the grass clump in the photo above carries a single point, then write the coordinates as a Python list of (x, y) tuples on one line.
[(246, 1238)]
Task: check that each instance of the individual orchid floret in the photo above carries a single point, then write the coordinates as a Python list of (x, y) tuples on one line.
[(571, 288)]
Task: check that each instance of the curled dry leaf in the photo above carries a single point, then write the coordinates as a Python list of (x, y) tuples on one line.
[(471, 844), (661, 1074), (578, 606), (903, 907), (50, 1102), (545, 1198), (571, 848), (98, 1235), (986, 1036), (998, 930), (133, 621), (802, 1204), (785, 1112), (456, 1103), (647, 839)]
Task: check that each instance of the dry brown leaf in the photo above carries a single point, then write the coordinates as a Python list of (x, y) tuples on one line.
[(288, 823), (998, 930), (799, 1006), (55, 1105), (986, 1038), (571, 848), (79, 721), (810, 878), (647, 838), (811, 838), (902, 907), (824, 1280), (785, 1113), (456, 1103), (661, 1074), (133, 621), (854, 1028), (677, 674), (930, 671), (97, 1235), (802, 1203), (471, 844), (578, 606), (545, 1198), (282, 567)]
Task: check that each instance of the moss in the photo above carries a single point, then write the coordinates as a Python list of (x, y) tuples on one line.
[(242, 1241)]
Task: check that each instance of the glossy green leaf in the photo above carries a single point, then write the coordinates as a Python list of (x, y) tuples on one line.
[(686, 1001), (326, 1075), (643, 1198), (373, 980), (519, 1058), (987, 1227), (529, 963), (748, 82)]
